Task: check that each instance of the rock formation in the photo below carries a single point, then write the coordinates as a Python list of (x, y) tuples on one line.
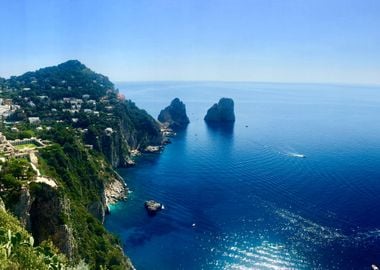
[(115, 190), (70, 212), (221, 112), (40, 211), (152, 207), (174, 116)]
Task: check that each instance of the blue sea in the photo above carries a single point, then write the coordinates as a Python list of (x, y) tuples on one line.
[(241, 197)]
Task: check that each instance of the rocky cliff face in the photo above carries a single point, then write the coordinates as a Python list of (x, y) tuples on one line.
[(174, 116), (221, 112), (20, 251), (112, 148), (114, 190), (131, 129), (71, 216), (44, 212), (80, 157), (22, 208)]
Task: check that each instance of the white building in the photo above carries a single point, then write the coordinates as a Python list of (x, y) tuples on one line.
[(34, 120)]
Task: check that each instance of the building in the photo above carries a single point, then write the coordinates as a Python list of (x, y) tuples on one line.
[(108, 131), (34, 120), (91, 102)]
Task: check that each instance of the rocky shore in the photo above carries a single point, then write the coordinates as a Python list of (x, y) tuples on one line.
[(115, 190)]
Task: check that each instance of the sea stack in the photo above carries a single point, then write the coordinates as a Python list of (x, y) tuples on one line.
[(174, 116), (221, 112)]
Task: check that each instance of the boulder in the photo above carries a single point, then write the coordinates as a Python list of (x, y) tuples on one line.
[(221, 112), (152, 149), (174, 116), (152, 207)]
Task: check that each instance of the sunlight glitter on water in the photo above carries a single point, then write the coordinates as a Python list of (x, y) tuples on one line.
[(265, 256), (255, 202)]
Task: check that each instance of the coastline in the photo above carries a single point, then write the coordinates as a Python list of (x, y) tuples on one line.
[(116, 189)]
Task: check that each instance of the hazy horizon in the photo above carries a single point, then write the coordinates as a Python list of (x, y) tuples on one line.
[(257, 41)]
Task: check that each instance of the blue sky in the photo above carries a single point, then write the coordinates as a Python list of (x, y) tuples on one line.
[(237, 40)]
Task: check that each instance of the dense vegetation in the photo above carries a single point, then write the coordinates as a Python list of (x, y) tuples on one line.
[(14, 174), (81, 175), (71, 78), (90, 129), (101, 106), (17, 250)]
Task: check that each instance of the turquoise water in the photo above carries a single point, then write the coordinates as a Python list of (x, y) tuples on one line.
[(254, 203)]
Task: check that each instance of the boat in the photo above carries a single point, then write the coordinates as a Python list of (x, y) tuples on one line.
[(298, 155)]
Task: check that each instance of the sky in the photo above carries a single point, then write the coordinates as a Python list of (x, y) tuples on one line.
[(322, 41)]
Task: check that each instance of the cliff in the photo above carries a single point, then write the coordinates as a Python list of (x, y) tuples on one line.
[(70, 214), (39, 210), (174, 116), (115, 190), (221, 112), (129, 128), (90, 130), (19, 250), (86, 179), (88, 101)]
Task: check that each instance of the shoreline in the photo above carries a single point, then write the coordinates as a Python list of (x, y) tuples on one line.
[(116, 189)]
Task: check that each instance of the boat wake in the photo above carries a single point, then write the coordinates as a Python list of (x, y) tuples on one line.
[(296, 155), (286, 151)]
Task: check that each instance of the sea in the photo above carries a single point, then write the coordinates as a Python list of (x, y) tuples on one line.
[(294, 183)]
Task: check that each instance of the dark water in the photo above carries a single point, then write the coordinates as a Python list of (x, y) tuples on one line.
[(254, 203)]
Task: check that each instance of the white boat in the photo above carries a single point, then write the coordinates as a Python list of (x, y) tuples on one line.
[(298, 155)]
